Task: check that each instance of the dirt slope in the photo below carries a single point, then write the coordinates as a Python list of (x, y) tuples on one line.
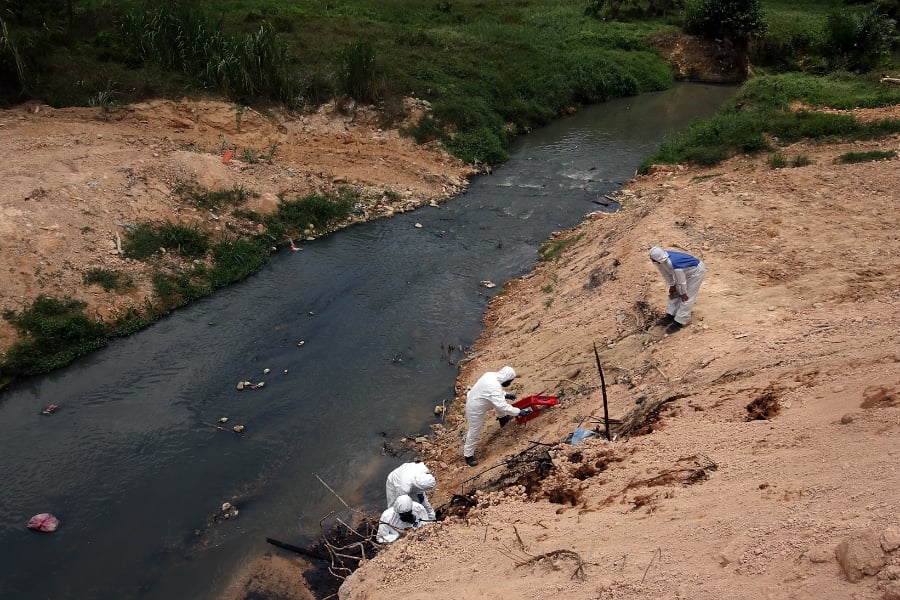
[(74, 179), (798, 317)]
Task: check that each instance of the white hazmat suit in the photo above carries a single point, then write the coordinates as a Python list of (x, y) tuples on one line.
[(486, 394), (412, 479), (391, 523), (683, 274)]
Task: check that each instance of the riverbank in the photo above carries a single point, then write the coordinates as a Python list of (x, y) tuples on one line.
[(77, 180), (758, 448)]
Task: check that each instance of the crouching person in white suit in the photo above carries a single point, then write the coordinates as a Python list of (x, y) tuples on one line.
[(404, 514)]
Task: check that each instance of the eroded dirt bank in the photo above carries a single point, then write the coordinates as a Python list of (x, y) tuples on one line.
[(75, 180), (797, 321)]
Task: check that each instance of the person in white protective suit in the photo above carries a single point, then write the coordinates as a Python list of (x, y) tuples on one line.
[(412, 479), (683, 274), (487, 394), (403, 514)]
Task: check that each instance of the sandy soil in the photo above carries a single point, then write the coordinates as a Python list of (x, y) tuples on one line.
[(797, 319), (74, 181)]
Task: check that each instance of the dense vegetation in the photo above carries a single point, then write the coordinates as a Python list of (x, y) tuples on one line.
[(490, 70)]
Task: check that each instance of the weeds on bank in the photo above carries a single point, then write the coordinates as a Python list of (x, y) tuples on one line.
[(779, 161), (869, 156), (108, 279), (148, 239), (767, 108), (54, 332), (215, 199), (553, 249)]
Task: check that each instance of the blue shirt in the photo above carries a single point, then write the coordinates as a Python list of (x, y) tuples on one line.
[(680, 260)]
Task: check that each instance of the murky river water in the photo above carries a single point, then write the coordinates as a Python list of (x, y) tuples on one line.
[(130, 462)]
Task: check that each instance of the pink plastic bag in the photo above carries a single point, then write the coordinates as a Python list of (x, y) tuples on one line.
[(43, 522)]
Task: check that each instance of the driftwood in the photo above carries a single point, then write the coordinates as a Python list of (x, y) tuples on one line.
[(894, 80)]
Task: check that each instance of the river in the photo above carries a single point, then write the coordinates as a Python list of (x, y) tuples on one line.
[(361, 333)]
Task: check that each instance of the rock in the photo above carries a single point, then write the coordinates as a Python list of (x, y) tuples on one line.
[(847, 419), (860, 555), (890, 539), (819, 555), (438, 410)]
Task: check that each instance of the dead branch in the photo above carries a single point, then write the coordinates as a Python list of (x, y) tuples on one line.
[(894, 80), (332, 491), (579, 569), (519, 538), (658, 551)]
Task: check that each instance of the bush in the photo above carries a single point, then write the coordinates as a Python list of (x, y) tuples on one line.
[(736, 20), (858, 41), (777, 161), (54, 332)]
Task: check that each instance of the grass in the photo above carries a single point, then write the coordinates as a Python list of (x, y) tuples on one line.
[(53, 332), (108, 279), (489, 70), (764, 110), (554, 249), (150, 239), (869, 156), (214, 199)]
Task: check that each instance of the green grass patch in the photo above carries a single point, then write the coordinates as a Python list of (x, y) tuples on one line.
[(150, 239), (777, 161), (53, 332), (215, 199), (108, 279), (553, 249), (869, 156), (308, 216), (764, 109)]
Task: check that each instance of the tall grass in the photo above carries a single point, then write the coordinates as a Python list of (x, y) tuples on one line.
[(187, 39)]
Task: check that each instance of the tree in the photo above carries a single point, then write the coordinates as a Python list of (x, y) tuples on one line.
[(738, 21), (733, 21)]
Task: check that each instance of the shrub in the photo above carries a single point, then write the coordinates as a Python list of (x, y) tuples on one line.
[(858, 41), (738, 21), (801, 160), (54, 333), (777, 161)]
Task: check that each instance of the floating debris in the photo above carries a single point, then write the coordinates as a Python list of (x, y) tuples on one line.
[(238, 429), (300, 343), (50, 408), (223, 419), (266, 371), (249, 384), (43, 522), (488, 284)]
